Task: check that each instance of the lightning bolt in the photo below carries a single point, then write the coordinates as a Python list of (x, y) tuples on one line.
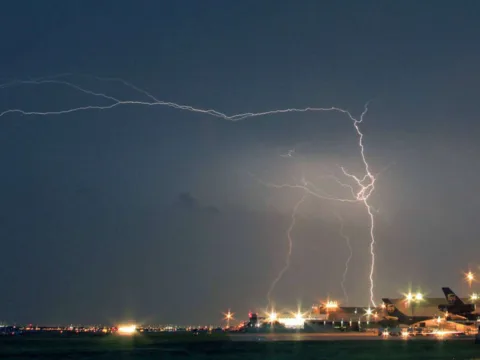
[(154, 102), (364, 184), (289, 154), (289, 252), (347, 240), (366, 187)]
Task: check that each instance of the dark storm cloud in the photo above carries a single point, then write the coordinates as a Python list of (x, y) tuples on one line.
[(187, 201), (119, 203), (212, 209)]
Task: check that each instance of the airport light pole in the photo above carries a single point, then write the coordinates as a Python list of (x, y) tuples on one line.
[(412, 299), (409, 299), (470, 277), (368, 313), (228, 317), (418, 297)]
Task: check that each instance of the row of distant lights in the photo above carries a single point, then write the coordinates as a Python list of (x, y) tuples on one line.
[(419, 297), (469, 277), (272, 316), (330, 305), (405, 334)]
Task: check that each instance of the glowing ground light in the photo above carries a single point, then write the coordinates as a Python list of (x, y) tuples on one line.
[(296, 321), (272, 317), (127, 329), (331, 305)]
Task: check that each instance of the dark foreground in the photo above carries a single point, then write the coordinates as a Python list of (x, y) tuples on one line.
[(169, 346)]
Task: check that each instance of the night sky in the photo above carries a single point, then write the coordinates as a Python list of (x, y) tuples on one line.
[(153, 214)]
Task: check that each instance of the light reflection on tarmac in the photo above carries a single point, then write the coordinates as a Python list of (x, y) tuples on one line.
[(335, 337)]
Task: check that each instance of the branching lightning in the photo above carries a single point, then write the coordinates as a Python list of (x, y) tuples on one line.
[(289, 252), (364, 185), (289, 154), (350, 254)]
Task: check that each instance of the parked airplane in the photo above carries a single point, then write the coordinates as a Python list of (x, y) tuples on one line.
[(456, 308), (394, 317)]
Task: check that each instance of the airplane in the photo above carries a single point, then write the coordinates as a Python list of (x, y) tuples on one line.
[(394, 316), (456, 308)]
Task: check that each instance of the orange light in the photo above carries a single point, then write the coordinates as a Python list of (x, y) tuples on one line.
[(127, 329), (331, 305), (470, 277), (229, 315)]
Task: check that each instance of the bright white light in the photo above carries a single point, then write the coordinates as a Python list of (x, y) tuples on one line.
[(228, 315), (299, 317), (474, 297), (419, 296), (409, 297), (127, 329), (368, 312), (292, 322), (272, 316)]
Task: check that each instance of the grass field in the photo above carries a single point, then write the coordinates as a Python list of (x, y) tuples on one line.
[(168, 346)]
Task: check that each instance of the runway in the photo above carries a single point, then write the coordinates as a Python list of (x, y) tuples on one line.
[(336, 337)]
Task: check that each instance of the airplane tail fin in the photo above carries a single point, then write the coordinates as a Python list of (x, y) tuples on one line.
[(392, 310), (451, 297)]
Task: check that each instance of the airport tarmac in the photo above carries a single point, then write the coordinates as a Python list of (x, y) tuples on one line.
[(336, 337)]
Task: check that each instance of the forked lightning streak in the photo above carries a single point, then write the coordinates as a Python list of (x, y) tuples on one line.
[(365, 185), (289, 252), (350, 255)]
